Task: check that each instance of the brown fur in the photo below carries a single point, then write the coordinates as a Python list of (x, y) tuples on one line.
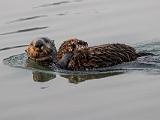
[(70, 45), (101, 56), (41, 49), (81, 56)]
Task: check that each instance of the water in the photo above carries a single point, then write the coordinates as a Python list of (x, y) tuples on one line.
[(131, 95)]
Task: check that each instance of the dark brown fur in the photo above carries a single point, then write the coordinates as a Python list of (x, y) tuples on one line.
[(75, 54), (41, 49), (101, 56), (70, 45)]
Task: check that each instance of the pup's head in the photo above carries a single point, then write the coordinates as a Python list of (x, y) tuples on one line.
[(69, 46)]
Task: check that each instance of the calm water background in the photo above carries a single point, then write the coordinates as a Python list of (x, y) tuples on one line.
[(130, 96)]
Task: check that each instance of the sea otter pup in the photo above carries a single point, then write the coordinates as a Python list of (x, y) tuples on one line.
[(75, 54)]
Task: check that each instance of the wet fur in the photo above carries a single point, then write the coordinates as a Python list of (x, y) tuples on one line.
[(41, 49), (75, 54), (101, 56), (69, 46)]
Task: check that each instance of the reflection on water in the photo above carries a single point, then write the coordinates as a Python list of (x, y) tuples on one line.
[(39, 72), (77, 78), (43, 72), (39, 76), (42, 76)]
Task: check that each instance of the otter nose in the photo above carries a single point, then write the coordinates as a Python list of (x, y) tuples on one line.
[(38, 44)]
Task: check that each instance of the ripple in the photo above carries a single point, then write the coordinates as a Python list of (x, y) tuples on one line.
[(7, 48), (57, 3), (24, 30), (53, 4), (60, 14), (27, 18)]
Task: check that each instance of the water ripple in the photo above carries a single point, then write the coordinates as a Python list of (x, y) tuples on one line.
[(24, 30), (11, 47), (53, 4), (27, 18)]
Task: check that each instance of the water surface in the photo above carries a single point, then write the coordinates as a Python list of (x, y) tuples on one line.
[(131, 95)]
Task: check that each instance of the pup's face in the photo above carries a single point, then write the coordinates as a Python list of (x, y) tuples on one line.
[(70, 46), (40, 49)]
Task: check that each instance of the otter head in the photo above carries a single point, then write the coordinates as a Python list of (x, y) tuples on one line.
[(69, 46), (67, 49), (41, 49)]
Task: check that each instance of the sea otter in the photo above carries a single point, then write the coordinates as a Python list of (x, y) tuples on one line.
[(74, 54), (42, 50)]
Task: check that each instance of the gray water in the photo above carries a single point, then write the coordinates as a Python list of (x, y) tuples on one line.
[(133, 95)]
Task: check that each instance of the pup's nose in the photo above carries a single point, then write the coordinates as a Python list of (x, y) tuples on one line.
[(38, 44)]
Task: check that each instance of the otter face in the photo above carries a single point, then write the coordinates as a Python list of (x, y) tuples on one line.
[(70, 46), (41, 49)]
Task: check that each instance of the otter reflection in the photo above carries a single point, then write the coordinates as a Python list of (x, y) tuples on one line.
[(42, 76), (80, 78), (40, 73), (72, 78)]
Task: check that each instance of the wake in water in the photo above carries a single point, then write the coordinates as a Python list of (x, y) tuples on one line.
[(43, 73)]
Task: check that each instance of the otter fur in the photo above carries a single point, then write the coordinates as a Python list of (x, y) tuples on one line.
[(74, 54), (96, 56)]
